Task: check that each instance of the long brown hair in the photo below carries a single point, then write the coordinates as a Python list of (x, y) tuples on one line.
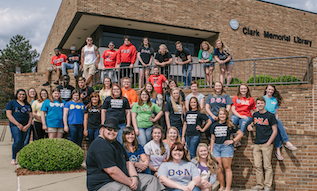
[(40, 99), (198, 106), (94, 94), (225, 48), (228, 120), (223, 92), (178, 146), (168, 141), (128, 130), (174, 101), (148, 101), (248, 92), (211, 161), (162, 148), (153, 93), (116, 85), (59, 99), (276, 94)]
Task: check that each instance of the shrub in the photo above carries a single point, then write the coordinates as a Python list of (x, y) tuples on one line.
[(287, 79), (51, 155), (235, 81), (261, 79), (180, 84), (97, 87)]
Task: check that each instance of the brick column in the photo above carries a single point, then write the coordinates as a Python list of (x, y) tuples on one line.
[(314, 93)]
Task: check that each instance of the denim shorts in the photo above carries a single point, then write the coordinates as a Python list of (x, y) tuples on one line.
[(222, 151), (229, 63), (209, 64), (146, 67)]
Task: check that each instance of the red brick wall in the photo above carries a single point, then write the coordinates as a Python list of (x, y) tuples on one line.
[(298, 170)]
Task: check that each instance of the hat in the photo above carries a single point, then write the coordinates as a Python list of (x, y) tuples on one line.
[(111, 122), (56, 49), (73, 48)]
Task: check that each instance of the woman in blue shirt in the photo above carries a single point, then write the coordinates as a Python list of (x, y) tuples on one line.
[(74, 118), (53, 121), (273, 100), (19, 113)]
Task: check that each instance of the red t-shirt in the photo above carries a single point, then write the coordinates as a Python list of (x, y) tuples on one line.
[(244, 105), (157, 82), (110, 58), (57, 60)]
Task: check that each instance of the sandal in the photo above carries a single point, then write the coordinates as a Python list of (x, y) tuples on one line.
[(292, 148), (279, 157)]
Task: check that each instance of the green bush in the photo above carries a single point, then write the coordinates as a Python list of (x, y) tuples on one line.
[(180, 84), (261, 79), (97, 87), (287, 79), (235, 81), (51, 155)]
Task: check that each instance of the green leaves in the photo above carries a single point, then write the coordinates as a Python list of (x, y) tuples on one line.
[(51, 155)]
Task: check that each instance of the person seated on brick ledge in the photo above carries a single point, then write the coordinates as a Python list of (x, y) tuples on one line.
[(72, 62), (108, 165), (273, 101), (266, 130), (56, 62)]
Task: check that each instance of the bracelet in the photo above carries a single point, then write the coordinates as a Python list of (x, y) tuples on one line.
[(137, 177), (233, 141), (85, 130)]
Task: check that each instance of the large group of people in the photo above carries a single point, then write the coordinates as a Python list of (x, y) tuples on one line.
[(155, 132)]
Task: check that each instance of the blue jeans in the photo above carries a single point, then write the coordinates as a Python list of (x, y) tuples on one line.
[(145, 135), (174, 189), (243, 122), (92, 134), (18, 140), (192, 143), (76, 133), (119, 136), (27, 138), (66, 66), (281, 135), (187, 74)]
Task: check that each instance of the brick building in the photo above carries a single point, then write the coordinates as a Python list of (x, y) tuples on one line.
[(264, 30)]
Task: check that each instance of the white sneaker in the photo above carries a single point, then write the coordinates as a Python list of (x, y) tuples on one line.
[(267, 189), (256, 188)]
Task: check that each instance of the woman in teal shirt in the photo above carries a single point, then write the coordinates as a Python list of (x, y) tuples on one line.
[(205, 56)]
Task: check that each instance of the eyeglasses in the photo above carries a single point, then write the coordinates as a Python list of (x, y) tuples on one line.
[(111, 45), (89, 39), (112, 129)]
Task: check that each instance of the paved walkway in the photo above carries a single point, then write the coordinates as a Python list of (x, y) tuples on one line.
[(49, 182)]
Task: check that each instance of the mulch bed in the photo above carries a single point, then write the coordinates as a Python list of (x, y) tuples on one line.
[(23, 172)]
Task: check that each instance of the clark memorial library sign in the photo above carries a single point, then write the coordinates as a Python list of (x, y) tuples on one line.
[(267, 34)]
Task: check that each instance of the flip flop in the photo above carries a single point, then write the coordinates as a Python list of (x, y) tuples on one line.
[(292, 148), (279, 157)]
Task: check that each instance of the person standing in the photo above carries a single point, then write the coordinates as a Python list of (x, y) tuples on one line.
[(74, 118), (66, 89), (186, 57), (109, 63), (36, 108), (126, 58), (19, 113), (266, 130), (108, 166), (145, 56), (31, 97), (72, 62), (205, 56), (90, 58), (84, 90), (157, 80), (163, 59), (56, 62)]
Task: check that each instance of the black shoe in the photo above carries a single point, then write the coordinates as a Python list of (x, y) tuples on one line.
[(56, 83), (46, 84)]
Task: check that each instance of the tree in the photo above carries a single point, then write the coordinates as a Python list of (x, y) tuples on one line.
[(18, 53)]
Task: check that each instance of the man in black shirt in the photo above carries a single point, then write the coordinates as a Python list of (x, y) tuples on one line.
[(85, 90), (66, 89), (108, 165), (266, 131), (72, 62), (185, 55)]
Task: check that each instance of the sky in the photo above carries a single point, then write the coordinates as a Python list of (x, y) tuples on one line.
[(33, 19)]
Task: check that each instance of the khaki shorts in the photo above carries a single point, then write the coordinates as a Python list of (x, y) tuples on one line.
[(89, 70), (55, 130), (51, 69)]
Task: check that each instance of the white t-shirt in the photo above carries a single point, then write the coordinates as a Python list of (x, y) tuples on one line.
[(153, 150)]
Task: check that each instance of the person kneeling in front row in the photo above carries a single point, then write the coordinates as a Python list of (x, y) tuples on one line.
[(108, 166)]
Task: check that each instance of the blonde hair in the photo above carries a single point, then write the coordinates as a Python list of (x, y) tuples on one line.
[(168, 141), (162, 45), (228, 120), (211, 161), (179, 100), (223, 92), (225, 48), (210, 48)]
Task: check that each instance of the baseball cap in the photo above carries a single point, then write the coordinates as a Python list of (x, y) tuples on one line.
[(73, 48)]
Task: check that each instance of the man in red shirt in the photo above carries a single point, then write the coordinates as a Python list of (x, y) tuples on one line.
[(56, 62), (109, 62), (126, 56), (157, 80)]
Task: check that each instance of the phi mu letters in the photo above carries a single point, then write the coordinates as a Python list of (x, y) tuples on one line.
[(261, 121)]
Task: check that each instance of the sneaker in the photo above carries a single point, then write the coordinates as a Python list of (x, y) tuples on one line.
[(56, 83), (267, 189), (256, 188), (46, 84)]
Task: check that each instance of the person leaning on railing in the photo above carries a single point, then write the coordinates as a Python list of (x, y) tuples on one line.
[(163, 58), (109, 63), (186, 57), (205, 56), (145, 55)]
